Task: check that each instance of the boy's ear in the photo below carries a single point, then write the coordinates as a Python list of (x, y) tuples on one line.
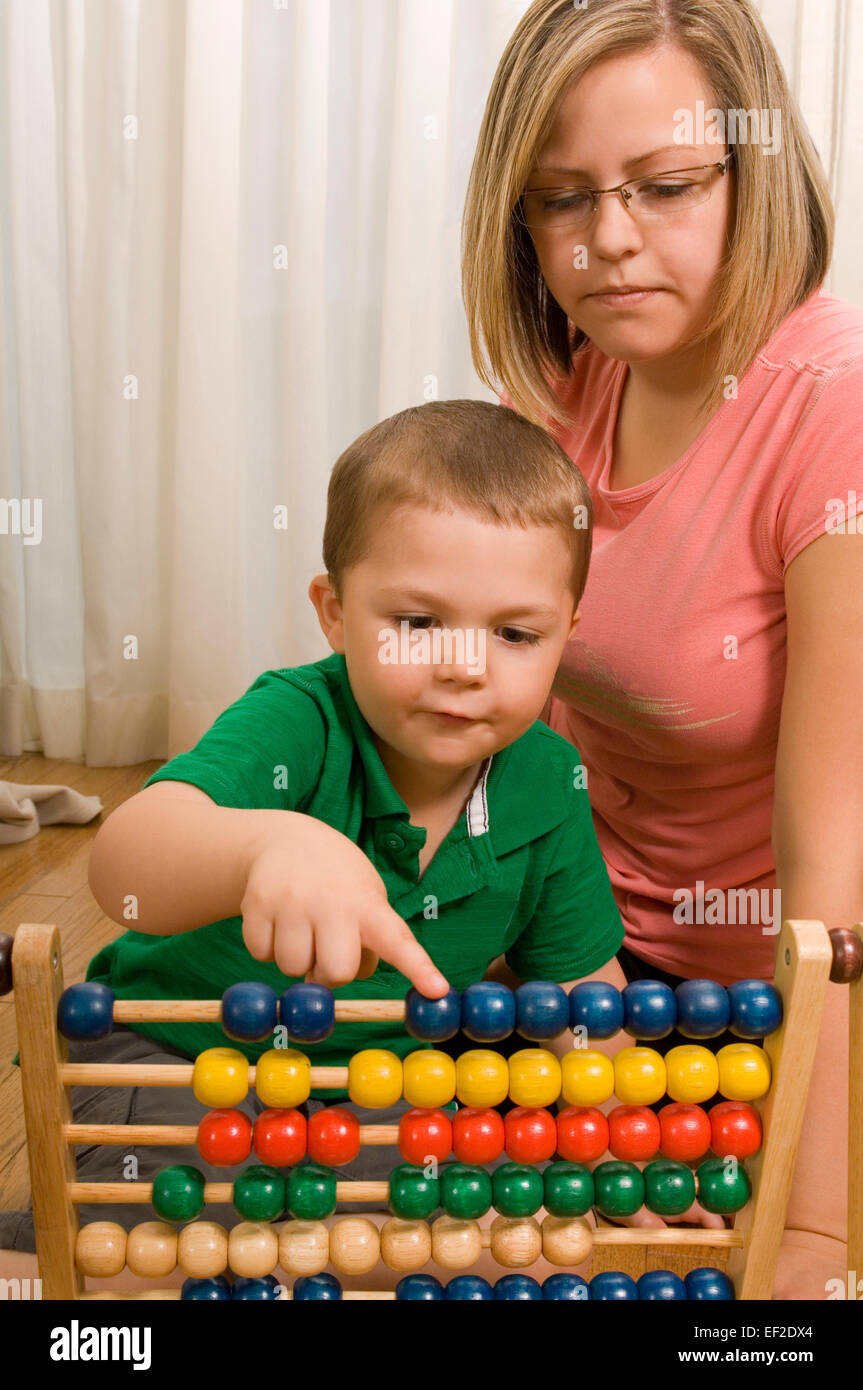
[(329, 611), (575, 622)]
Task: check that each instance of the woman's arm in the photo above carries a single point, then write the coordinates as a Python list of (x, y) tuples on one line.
[(818, 850)]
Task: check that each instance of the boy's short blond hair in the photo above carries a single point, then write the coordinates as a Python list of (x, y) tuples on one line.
[(474, 455)]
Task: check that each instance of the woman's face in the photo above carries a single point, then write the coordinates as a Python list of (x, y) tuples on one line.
[(620, 111)]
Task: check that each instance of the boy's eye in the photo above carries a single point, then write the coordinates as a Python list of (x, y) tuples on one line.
[(415, 620), (519, 637)]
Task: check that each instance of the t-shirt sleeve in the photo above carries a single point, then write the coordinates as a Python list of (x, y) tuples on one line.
[(819, 484), (265, 751), (576, 926)]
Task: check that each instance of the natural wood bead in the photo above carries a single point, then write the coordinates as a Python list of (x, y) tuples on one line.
[(355, 1245), (253, 1249), (202, 1249), (456, 1244), (100, 1249), (516, 1241), (405, 1245), (304, 1247), (566, 1240), (151, 1249)]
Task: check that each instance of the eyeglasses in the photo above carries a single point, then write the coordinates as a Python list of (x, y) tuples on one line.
[(656, 198)]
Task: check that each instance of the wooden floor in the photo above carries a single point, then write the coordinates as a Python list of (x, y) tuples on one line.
[(44, 879)]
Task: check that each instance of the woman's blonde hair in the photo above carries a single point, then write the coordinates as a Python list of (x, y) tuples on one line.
[(782, 239)]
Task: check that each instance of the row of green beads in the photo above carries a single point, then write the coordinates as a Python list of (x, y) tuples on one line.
[(615, 1188)]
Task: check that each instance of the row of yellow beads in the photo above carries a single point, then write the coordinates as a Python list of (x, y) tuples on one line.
[(534, 1076)]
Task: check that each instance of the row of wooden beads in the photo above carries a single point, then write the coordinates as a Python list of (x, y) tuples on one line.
[(353, 1245)]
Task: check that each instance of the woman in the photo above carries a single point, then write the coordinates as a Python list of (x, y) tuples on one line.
[(673, 337)]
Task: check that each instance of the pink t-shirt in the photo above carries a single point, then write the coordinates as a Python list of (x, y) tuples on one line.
[(671, 687)]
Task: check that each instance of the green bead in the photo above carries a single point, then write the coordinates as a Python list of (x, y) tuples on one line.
[(178, 1193), (259, 1193), (619, 1188), (669, 1187), (311, 1192), (723, 1185), (569, 1189), (466, 1191), (413, 1196), (517, 1189)]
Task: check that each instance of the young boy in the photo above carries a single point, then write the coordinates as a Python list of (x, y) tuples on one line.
[(394, 814)]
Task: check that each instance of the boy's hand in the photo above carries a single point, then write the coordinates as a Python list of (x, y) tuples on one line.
[(317, 906)]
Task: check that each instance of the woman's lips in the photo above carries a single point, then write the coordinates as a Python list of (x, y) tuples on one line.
[(627, 300)]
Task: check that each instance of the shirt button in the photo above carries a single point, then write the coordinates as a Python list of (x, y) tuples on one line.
[(394, 842)]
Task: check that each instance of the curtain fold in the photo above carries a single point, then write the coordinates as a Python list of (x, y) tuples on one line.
[(229, 243)]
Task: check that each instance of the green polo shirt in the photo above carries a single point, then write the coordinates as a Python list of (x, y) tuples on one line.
[(520, 874)]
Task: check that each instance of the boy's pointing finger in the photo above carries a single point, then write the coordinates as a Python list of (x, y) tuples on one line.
[(391, 937)]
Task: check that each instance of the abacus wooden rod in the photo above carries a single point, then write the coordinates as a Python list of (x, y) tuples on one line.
[(160, 1295), (187, 1135), (210, 1010), (171, 1074), (804, 955)]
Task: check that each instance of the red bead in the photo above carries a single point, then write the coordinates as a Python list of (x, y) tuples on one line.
[(582, 1133), (530, 1134), (425, 1134), (478, 1135), (735, 1129), (633, 1132), (333, 1136), (280, 1137), (225, 1137), (684, 1131)]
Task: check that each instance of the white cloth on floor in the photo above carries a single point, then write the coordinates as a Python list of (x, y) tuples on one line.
[(24, 809)]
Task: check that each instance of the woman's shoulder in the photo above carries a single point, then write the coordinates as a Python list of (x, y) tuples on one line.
[(824, 335)]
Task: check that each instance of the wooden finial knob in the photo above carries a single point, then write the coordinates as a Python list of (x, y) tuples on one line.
[(847, 956), (6, 943)]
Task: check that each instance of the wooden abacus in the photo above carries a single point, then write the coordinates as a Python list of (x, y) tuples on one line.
[(806, 957)]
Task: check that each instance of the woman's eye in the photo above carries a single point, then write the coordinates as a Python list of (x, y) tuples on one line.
[(519, 637)]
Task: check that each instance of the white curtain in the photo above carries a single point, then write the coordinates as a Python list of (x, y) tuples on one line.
[(228, 244)]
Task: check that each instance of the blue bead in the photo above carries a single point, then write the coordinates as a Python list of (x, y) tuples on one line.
[(708, 1283), (250, 1011), (308, 1011), (487, 1011), (565, 1286), (661, 1284), (611, 1284), (86, 1012), (265, 1289), (649, 1009), (215, 1290), (756, 1008), (317, 1287), (541, 1010), (469, 1286), (432, 1020), (597, 1007), (518, 1286), (703, 1009), (417, 1287)]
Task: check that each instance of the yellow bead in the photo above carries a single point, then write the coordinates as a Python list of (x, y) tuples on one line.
[(429, 1078), (220, 1077), (692, 1073), (587, 1077), (482, 1077), (375, 1078), (744, 1071), (283, 1077), (534, 1077), (639, 1075)]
